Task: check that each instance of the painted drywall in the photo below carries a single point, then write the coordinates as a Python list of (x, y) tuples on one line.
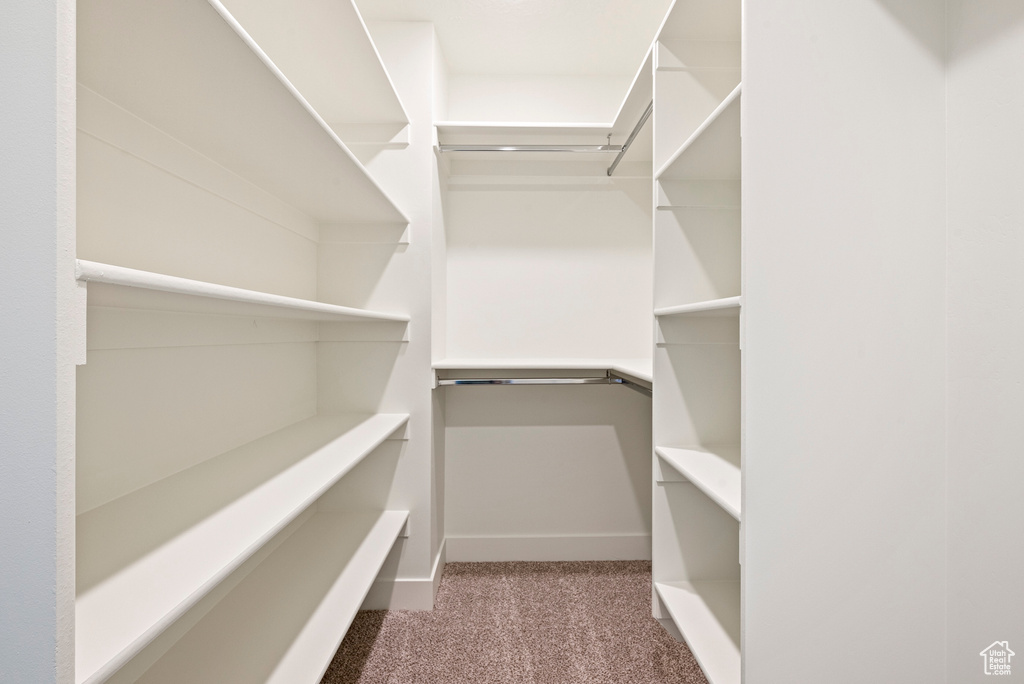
[(549, 271), (985, 167), (844, 342), (547, 473), (556, 99), (41, 342)]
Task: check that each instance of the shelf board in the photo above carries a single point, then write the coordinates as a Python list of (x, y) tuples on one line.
[(713, 151), (326, 51), (708, 615), (727, 306), (496, 128), (120, 287), (149, 556), (642, 369), (313, 585), (188, 68), (715, 471)]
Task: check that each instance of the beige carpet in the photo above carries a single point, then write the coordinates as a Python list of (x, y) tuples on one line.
[(521, 623)]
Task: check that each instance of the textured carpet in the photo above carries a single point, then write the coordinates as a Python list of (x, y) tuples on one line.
[(521, 623)]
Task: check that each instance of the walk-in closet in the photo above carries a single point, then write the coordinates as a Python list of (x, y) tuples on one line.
[(697, 321)]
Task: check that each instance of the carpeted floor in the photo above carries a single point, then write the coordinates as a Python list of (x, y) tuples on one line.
[(521, 623)]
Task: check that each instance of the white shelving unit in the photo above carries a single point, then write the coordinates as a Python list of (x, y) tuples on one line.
[(707, 614), (698, 304), (219, 213)]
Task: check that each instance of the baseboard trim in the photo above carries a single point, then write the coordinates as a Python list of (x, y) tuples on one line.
[(567, 548), (414, 593)]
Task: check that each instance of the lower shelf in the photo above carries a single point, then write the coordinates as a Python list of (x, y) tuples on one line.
[(283, 623), (708, 615), (146, 558)]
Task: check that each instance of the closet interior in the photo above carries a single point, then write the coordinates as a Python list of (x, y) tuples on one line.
[(348, 320)]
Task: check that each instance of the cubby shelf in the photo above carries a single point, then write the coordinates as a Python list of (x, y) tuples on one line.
[(727, 306), (147, 557), (713, 151), (313, 585), (708, 615), (120, 287), (638, 368), (713, 470), (225, 99)]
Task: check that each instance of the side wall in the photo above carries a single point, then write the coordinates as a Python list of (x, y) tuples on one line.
[(986, 333), (43, 337), (844, 341)]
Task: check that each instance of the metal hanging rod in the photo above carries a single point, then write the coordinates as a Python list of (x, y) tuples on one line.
[(529, 148), (610, 378), (629, 141)]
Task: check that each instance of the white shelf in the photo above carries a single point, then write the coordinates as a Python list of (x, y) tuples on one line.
[(727, 306), (335, 64), (708, 615), (312, 586), (116, 286), (521, 128), (715, 472), (188, 68), (641, 369), (147, 557), (713, 151)]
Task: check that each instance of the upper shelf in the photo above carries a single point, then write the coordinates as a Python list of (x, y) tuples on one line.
[(128, 288), (713, 151), (326, 51), (190, 69), (642, 369), (149, 556), (716, 472), (727, 306)]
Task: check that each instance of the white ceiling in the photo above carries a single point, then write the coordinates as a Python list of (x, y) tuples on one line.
[(534, 37)]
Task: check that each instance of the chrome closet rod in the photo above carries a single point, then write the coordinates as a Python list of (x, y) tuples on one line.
[(529, 148), (610, 378), (629, 141)]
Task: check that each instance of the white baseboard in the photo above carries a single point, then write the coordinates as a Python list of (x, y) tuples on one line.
[(568, 548), (407, 594)]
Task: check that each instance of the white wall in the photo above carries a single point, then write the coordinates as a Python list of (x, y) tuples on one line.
[(986, 333), (40, 344), (547, 473), (589, 99), (547, 272), (844, 349)]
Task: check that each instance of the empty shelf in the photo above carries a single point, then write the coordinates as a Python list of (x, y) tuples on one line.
[(335, 65), (116, 286), (149, 556), (708, 615), (713, 151), (312, 584), (727, 306), (716, 472), (189, 69)]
